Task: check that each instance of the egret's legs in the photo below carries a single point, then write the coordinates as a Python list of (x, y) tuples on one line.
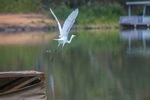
[(54, 53), (62, 55)]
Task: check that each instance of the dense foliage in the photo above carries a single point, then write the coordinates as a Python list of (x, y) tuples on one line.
[(77, 3), (19, 6), (92, 14)]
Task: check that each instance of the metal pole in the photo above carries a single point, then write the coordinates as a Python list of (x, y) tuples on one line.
[(144, 10), (129, 10)]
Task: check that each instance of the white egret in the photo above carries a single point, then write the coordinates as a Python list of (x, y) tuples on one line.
[(64, 31)]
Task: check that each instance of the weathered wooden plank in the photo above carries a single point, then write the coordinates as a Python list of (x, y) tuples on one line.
[(20, 74), (22, 85)]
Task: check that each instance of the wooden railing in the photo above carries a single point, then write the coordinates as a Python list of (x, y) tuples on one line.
[(135, 20)]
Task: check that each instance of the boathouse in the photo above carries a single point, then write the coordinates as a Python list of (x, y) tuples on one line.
[(138, 20)]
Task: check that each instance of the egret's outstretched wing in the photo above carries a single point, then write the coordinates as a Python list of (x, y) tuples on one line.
[(59, 26), (69, 22)]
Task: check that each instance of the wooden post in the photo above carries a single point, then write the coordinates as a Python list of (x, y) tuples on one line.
[(129, 10), (144, 10)]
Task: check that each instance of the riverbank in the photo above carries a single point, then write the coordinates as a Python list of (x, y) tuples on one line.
[(24, 23), (24, 20), (38, 22), (92, 15)]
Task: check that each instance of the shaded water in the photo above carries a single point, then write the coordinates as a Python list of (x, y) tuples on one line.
[(97, 65)]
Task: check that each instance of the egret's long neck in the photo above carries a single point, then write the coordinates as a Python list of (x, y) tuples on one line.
[(70, 39)]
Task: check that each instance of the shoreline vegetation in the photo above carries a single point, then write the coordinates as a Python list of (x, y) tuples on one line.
[(30, 14)]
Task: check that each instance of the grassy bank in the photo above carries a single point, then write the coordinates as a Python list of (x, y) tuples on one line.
[(93, 14)]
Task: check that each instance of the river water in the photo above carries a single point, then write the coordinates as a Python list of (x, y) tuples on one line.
[(97, 65)]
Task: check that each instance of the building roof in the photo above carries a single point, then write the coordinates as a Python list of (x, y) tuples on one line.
[(138, 3)]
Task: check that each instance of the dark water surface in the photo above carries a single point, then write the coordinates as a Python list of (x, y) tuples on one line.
[(97, 65)]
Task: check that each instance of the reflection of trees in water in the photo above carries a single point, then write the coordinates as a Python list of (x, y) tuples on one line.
[(129, 76), (18, 57), (135, 76), (99, 73), (94, 79), (103, 61)]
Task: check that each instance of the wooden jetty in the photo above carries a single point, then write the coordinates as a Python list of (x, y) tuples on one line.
[(137, 20), (22, 85)]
